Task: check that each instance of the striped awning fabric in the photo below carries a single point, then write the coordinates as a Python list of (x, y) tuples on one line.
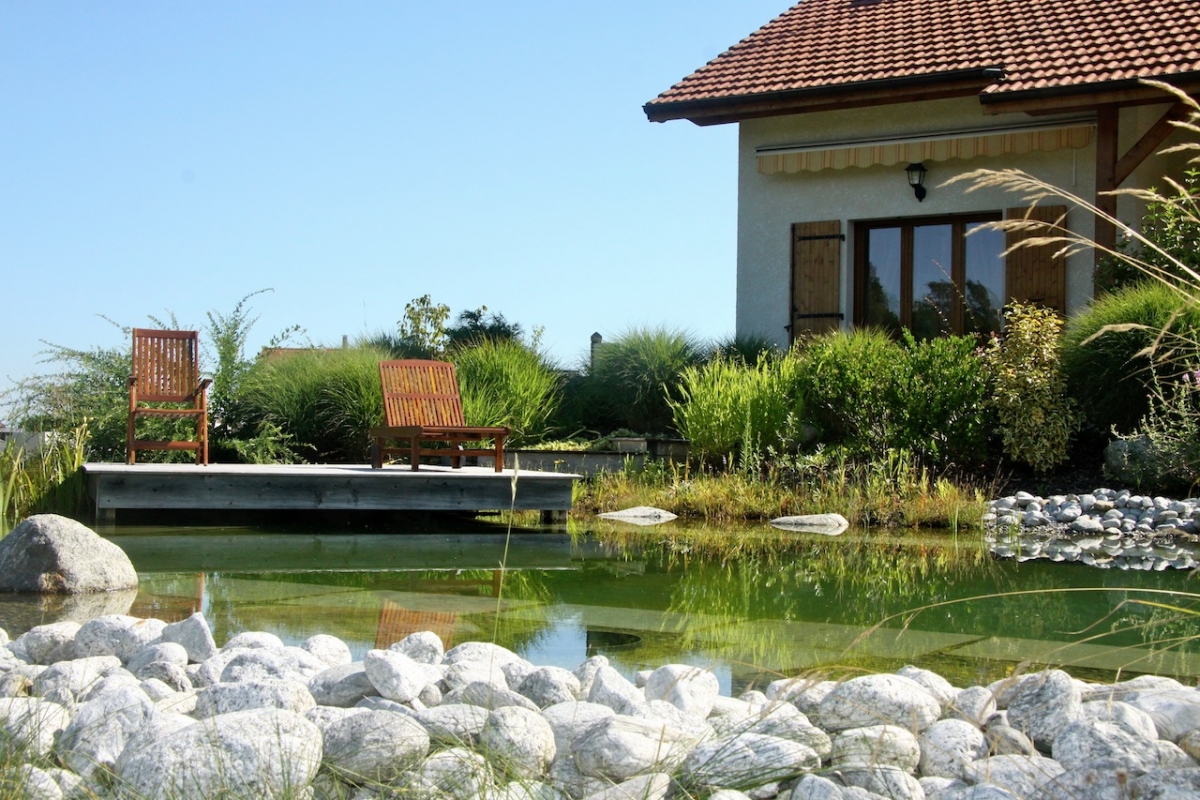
[(772, 161)]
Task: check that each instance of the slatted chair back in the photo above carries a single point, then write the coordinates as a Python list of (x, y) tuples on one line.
[(421, 393), (166, 365)]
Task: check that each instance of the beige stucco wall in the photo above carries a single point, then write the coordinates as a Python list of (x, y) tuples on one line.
[(769, 204)]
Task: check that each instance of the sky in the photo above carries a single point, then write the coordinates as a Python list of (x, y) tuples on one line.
[(162, 158)]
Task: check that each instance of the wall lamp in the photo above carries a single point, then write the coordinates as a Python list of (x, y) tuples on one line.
[(916, 179)]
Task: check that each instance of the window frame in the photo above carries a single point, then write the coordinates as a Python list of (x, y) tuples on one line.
[(958, 223)]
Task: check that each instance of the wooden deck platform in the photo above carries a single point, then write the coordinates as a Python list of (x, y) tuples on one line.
[(334, 487)]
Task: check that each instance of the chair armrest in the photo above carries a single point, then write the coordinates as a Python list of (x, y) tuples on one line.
[(204, 384)]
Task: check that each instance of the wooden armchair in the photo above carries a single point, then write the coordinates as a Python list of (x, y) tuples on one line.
[(165, 370), (421, 404)]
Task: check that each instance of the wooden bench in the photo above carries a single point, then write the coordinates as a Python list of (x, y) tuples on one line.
[(422, 404), (166, 370)]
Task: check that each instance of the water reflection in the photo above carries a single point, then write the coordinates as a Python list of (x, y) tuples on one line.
[(752, 603)]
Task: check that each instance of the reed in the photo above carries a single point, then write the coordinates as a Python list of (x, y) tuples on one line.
[(42, 479)]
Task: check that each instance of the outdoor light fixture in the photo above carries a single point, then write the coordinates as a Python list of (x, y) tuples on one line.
[(916, 177)]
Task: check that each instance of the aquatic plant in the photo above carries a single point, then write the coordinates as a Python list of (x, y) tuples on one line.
[(43, 476)]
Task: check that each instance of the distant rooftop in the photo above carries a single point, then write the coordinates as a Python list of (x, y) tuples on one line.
[(833, 50)]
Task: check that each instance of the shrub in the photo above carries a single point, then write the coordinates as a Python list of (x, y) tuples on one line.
[(321, 402), (942, 390), (870, 395), (1108, 368), (506, 383), (729, 407), (848, 380), (1036, 418), (1164, 451), (637, 376)]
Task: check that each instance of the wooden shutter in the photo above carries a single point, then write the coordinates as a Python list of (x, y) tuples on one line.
[(816, 277), (1036, 274)]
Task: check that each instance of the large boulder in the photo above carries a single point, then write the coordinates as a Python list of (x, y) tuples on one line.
[(57, 555)]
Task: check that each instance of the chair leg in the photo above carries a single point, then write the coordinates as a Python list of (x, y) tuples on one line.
[(130, 452), (377, 454), (499, 455), (415, 456)]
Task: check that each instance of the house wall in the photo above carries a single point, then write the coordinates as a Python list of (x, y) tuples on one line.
[(768, 205)]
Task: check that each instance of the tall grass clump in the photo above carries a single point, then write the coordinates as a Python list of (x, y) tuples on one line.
[(323, 401), (506, 383), (1116, 350), (637, 376), (45, 477), (733, 408)]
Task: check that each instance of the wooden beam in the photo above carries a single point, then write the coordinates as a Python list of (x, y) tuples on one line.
[(1150, 141), (998, 103), (1107, 119)]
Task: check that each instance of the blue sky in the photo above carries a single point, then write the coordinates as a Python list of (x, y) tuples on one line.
[(164, 157)]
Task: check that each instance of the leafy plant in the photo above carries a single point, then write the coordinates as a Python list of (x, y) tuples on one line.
[(729, 407), (1028, 388), (422, 331), (42, 476), (1164, 450), (478, 326)]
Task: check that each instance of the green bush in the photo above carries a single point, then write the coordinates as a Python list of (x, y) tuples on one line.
[(1036, 419), (728, 407), (506, 383), (848, 383), (869, 394), (637, 376), (942, 390), (320, 402), (1164, 452), (1108, 371)]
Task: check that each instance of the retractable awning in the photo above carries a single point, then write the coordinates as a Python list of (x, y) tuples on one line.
[(944, 146)]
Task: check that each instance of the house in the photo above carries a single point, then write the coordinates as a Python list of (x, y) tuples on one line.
[(843, 104)]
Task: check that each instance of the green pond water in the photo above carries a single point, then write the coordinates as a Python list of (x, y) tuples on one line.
[(751, 603)]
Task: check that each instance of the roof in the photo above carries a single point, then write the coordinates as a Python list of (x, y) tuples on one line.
[(845, 47)]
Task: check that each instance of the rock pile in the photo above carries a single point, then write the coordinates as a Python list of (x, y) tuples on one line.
[(126, 707), (1104, 528)]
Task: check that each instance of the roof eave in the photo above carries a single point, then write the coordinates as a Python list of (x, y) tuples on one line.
[(1129, 91), (721, 110)]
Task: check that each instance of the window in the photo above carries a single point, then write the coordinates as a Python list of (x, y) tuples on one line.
[(934, 276)]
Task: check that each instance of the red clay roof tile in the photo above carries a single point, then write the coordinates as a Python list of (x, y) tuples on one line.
[(1042, 44)]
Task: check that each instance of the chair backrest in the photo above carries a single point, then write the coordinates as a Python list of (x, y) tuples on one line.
[(165, 365), (420, 393)]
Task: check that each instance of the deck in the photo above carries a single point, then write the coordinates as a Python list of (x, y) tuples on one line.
[(350, 487)]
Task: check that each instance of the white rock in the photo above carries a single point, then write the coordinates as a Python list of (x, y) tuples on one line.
[(30, 783), (463, 673), (261, 753), (973, 704), (639, 515), (611, 688), (948, 746), (935, 684), (878, 700), (586, 672), (226, 698), (619, 747), (1021, 775), (1085, 741), (376, 746), (655, 786), (194, 635), (396, 676), (571, 720), (875, 746), (1175, 712), (483, 652), (100, 636), (1132, 719), (1044, 705), (171, 652), (748, 759), (453, 724), (33, 722), (454, 773), (492, 697), (690, 689), (101, 728), (826, 524), (520, 739), (76, 676), (424, 647), (255, 640), (47, 644), (329, 649), (885, 781), (342, 685), (547, 686)]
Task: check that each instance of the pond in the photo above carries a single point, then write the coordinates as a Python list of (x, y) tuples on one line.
[(751, 603)]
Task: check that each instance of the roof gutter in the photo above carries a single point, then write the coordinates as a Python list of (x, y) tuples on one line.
[(1084, 89), (727, 106)]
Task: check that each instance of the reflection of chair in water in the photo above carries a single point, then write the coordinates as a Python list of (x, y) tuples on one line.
[(396, 622)]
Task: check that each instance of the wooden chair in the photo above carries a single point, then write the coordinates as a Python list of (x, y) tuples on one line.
[(165, 370), (421, 404)]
